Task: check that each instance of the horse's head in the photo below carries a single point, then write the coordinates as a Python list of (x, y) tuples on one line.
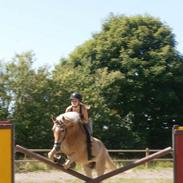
[(63, 124)]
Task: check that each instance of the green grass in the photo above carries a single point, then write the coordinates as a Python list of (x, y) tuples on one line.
[(152, 164), (38, 166), (31, 167)]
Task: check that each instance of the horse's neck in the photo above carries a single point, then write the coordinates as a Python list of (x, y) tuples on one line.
[(76, 132)]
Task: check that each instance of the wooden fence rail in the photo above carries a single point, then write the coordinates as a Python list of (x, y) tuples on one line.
[(51, 163), (146, 152), (102, 177), (160, 153)]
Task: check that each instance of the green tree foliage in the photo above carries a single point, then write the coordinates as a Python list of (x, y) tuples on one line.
[(4, 98), (30, 92), (148, 95), (129, 73), (91, 86)]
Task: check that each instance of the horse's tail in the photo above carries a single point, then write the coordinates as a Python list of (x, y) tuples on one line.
[(109, 162)]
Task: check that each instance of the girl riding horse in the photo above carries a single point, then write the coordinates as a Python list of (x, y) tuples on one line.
[(82, 109)]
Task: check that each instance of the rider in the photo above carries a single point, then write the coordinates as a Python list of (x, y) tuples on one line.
[(82, 109), (78, 106)]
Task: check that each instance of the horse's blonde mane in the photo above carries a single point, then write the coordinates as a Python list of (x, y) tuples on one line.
[(71, 116)]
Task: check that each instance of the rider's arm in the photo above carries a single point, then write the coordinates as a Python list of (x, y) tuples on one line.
[(85, 115), (68, 109)]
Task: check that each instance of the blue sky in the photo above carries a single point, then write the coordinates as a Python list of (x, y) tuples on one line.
[(53, 28)]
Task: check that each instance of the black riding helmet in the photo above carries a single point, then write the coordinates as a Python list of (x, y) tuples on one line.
[(76, 95)]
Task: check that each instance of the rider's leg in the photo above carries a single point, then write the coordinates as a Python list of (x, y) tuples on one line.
[(89, 140)]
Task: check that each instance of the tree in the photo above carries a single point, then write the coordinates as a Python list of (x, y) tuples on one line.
[(149, 95), (30, 93), (130, 73), (4, 98)]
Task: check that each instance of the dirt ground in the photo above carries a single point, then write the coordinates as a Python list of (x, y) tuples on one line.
[(61, 176)]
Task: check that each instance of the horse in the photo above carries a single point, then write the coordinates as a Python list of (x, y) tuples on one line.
[(74, 145)]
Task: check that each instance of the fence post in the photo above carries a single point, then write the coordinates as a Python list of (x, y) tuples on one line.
[(147, 154)]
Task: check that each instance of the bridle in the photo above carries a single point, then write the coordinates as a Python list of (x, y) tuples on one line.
[(62, 129)]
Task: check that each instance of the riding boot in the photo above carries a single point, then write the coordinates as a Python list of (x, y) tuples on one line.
[(89, 141)]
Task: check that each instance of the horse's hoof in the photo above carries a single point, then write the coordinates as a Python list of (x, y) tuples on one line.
[(50, 156), (73, 165), (59, 159), (66, 167)]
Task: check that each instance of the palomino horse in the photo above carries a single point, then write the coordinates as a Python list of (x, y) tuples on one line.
[(73, 145)]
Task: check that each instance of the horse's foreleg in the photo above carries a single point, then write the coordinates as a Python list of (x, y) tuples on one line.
[(100, 166), (88, 170), (100, 169), (51, 154), (68, 163)]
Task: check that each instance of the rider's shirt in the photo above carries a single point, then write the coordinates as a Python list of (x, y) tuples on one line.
[(81, 109)]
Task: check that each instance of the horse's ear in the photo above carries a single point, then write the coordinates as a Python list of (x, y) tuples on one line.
[(67, 122), (53, 118), (63, 118)]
